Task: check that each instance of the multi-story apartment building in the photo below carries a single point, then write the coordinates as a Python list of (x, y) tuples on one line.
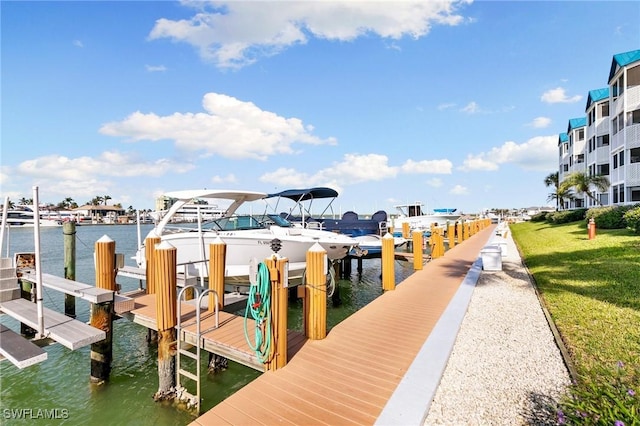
[(607, 140)]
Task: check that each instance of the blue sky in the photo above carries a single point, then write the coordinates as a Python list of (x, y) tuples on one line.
[(453, 103)]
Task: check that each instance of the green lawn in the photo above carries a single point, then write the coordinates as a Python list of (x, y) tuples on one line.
[(592, 290)]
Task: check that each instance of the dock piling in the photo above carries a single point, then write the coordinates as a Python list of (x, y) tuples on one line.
[(278, 274), (165, 270), (69, 244), (316, 292), (101, 314), (388, 263), (417, 250)]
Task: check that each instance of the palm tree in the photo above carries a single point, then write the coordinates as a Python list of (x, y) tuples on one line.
[(552, 179), (106, 198), (582, 182), (561, 194)]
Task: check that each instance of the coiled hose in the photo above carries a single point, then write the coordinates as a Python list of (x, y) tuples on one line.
[(259, 306)]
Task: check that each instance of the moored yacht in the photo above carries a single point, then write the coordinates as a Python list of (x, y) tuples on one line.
[(24, 216), (247, 236)]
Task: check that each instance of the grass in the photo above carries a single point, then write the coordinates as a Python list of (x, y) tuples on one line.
[(592, 290)]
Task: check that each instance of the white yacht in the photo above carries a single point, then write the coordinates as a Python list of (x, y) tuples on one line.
[(417, 219), (247, 236), (24, 216)]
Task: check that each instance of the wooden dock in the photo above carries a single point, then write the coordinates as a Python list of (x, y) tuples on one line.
[(228, 340), (349, 377)]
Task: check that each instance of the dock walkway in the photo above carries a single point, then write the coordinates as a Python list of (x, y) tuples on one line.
[(371, 367)]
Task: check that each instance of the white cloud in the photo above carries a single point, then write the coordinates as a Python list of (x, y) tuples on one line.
[(226, 34), (540, 122), (471, 108), (354, 169), (435, 182), (459, 190), (230, 178), (558, 95), (78, 43), (539, 153), (229, 128), (444, 106), (427, 166), (155, 68), (85, 169)]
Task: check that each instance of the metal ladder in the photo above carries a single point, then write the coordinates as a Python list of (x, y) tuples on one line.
[(183, 346)]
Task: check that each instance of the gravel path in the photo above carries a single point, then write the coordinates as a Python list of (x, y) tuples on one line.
[(505, 368)]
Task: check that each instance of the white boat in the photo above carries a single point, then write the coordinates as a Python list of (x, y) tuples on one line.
[(247, 236), (24, 216), (371, 244), (414, 215)]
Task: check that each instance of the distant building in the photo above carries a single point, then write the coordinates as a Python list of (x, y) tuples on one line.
[(607, 140), (102, 214)]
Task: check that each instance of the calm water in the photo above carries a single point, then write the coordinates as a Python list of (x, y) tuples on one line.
[(61, 385)]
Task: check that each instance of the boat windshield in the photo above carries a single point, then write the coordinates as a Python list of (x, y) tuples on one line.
[(246, 222)]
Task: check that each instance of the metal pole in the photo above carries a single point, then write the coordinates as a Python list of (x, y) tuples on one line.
[(36, 238), (4, 223)]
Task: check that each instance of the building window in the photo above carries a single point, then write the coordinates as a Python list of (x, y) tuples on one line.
[(634, 155), (621, 158), (622, 193), (635, 195), (603, 169), (604, 109), (615, 161), (614, 125), (620, 121), (633, 117), (581, 135), (603, 140), (565, 168), (580, 158), (633, 76)]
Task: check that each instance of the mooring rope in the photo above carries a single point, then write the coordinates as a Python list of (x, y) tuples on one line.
[(259, 306)]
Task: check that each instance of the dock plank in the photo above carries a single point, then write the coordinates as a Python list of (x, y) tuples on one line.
[(67, 331), (349, 377), (17, 349), (84, 291)]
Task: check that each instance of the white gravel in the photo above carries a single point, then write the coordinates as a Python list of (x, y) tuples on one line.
[(505, 367)]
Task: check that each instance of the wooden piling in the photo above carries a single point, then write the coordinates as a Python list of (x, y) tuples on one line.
[(418, 259), (69, 247), (405, 230), (451, 235), (316, 290), (166, 318), (279, 275), (459, 232), (101, 314), (149, 250), (388, 263), (465, 231), (217, 259)]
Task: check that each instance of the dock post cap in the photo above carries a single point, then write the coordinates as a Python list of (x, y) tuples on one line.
[(217, 240), (164, 245), (388, 235), (105, 239), (316, 247)]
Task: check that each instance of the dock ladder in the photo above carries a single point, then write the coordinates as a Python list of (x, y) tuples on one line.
[(184, 346)]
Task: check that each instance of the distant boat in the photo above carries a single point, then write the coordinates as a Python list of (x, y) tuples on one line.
[(24, 216), (421, 221)]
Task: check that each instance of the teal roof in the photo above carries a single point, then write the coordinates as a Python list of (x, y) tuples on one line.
[(563, 137), (596, 95), (622, 60), (576, 123)]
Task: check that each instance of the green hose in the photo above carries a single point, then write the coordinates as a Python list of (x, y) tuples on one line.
[(259, 305)]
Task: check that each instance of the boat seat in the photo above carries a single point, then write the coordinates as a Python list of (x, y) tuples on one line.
[(350, 216), (379, 216)]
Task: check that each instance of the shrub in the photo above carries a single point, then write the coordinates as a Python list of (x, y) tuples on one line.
[(539, 217), (632, 219), (566, 216), (610, 217), (611, 402)]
